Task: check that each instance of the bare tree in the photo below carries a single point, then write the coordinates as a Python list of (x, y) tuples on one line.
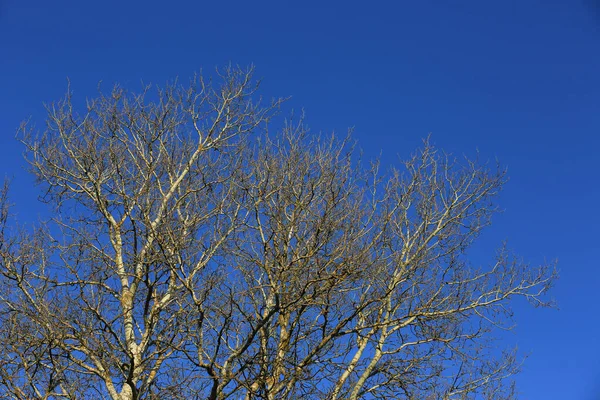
[(194, 254)]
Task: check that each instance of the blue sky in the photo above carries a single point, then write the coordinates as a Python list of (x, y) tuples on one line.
[(517, 80)]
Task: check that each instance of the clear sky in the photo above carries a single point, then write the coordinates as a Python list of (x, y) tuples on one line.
[(518, 80)]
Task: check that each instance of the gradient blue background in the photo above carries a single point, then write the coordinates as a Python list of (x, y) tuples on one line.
[(518, 80)]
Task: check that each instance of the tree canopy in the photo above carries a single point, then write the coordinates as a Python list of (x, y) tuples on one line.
[(198, 251)]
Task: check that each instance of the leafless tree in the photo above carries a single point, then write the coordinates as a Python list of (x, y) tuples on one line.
[(193, 253)]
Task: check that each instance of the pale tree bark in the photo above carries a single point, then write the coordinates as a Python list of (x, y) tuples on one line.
[(194, 253)]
